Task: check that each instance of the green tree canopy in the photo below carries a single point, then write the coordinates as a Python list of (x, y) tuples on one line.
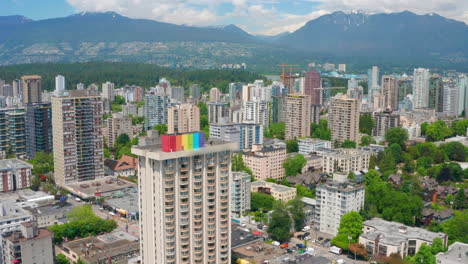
[(460, 200), (61, 259), (321, 131), (366, 141), (292, 146), (396, 152), (397, 135), (296, 210), (239, 165), (303, 191), (348, 144), (280, 223), (43, 162), (459, 127), (366, 123), (276, 130), (161, 128), (349, 230), (455, 151), (438, 131), (293, 165), (261, 201)]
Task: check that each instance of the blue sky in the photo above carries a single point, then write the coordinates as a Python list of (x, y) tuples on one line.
[(267, 17)]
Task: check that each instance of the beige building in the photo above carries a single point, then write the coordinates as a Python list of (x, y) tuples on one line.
[(32, 89), (389, 92), (183, 118), (384, 121), (279, 192), (343, 118), (297, 116), (382, 238), (345, 160), (457, 253), (29, 245), (266, 162), (215, 94), (78, 141), (185, 201), (108, 91), (117, 125)]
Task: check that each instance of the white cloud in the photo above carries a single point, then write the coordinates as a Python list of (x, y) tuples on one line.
[(263, 16)]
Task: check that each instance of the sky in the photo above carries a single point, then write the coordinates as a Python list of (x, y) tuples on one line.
[(263, 17)]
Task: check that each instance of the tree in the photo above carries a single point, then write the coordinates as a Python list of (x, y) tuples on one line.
[(366, 141), (322, 131), (276, 130), (455, 151), (280, 223), (271, 180), (61, 259), (455, 227), (372, 162), (425, 255), (80, 261), (388, 164), (261, 201), (409, 165), (438, 131), (459, 201), (292, 146), (396, 152), (239, 165), (366, 123), (459, 127), (296, 210), (349, 230), (358, 249), (303, 191), (424, 126), (203, 108), (371, 177), (448, 199), (161, 128), (293, 165), (35, 183), (348, 144), (397, 135), (43, 162), (437, 246), (122, 139)]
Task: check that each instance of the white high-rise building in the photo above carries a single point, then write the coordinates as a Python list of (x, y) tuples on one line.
[(256, 112), (333, 201), (59, 85), (240, 193), (421, 79), (451, 98), (463, 94), (108, 91), (185, 200)]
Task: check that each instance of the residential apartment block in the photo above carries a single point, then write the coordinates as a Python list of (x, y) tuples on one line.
[(343, 118), (156, 102), (279, 192), (382, 238), (310, 145), (38, 128), (218, 112), (297, 116), (334, 200), (117, 125), (246, 135), (384, 121), (456, 254), (29, 245), (256, 112), (240, 193), (184, 200), (32, 89), (15, 175), (345, 160), (78, 142), (266, 162), (183, 118)]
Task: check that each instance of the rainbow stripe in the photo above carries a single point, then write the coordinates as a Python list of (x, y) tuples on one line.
[(171, 143)]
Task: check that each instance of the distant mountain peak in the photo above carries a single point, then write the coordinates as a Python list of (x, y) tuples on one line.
[(14, 20)]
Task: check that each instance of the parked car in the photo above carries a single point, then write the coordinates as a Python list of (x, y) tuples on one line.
[(300, 246), (291, 250), (320, 238), (284, 245), (275, 243), (301, 237), (306, 234)]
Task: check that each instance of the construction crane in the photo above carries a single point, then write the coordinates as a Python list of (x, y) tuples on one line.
[(283, 72)]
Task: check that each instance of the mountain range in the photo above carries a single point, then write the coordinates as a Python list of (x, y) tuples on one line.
[(358, 39)]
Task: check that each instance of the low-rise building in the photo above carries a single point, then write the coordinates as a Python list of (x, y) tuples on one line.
[(11, 216), (345, 160), (15, 174), (266, 162), (246, 134), (49, 215), (126, 166), (311, 145), (382, 238), (334, 199), (107, 248), (279, 192), (314, 163), (457, 253), (29, 245), (240, 192)]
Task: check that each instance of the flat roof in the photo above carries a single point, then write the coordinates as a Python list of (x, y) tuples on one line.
[(456, 252), (276, 187), (88, 189), (240, 237), (394, 233), (8, 164), (126, 199)]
